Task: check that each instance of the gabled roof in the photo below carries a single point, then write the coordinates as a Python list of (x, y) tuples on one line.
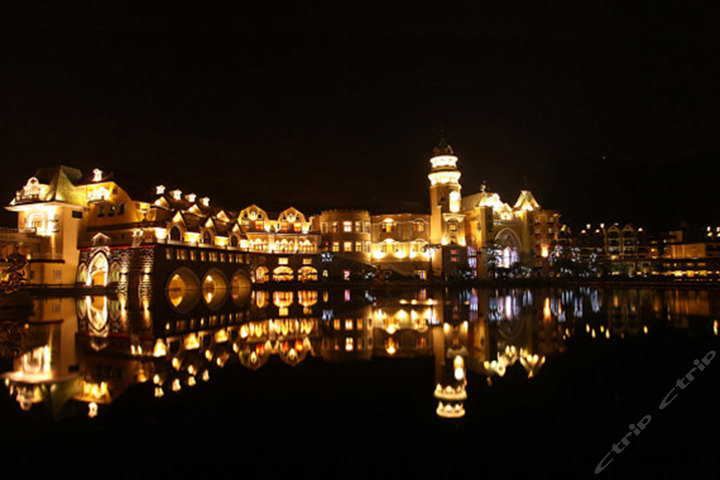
[(53, 184), (526, 201)]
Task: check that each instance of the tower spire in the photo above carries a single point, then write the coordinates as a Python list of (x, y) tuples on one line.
[(442, 147)]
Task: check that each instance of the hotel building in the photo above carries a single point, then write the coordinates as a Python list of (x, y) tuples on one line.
[(89, 230)]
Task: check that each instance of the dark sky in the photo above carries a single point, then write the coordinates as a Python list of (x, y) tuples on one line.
[(607, 114)]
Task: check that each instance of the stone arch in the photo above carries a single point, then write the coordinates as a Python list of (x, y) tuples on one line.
[(182, 290), (508, 244), (98, 270), (214, 288), (82, 273), (240, 286), (114, 276)]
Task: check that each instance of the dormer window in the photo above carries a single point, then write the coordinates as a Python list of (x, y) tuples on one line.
[(160, 190), (97, 175), (177, 194), (205, 201), (191, 197)]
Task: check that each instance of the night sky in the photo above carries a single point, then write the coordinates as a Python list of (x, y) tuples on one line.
[(606, 114)]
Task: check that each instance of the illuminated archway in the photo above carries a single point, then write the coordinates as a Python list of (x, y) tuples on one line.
[(82, 273), (283, 274), (307, 274), (114, 272), (214, 288), (183, 290), (508, 244), (98, 271), (261, 274)]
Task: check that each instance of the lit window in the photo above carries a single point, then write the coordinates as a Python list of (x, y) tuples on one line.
[(360, 323), (283, 261), (334, 227), (347, 246), (358, 226), (336, 324), (358, 247), (348, 324), (336, 246), (418, 226), (347, 226), (387, 226), (349, 344)]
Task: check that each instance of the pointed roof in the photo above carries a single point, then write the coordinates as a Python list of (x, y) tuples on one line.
[(443, 147), (53, 184), (526, 201)]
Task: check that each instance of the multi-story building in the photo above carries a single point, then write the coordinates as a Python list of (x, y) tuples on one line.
[(692, 253), (90, 230), (401, 243)]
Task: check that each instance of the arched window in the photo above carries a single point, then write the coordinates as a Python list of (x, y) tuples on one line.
[(261, 275), (307, 274), (283, 274), (175, 234)]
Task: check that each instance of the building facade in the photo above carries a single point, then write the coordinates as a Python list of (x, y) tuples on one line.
[(73, 226)]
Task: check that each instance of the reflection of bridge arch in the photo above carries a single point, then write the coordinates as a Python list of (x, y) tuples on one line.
[(183, 289), (214, 288), (240, 286), (508, 243)]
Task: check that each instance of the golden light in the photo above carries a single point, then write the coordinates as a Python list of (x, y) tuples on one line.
[(191, 342), (159, 350)]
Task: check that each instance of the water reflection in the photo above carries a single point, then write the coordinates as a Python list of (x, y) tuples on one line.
[(92, 349)]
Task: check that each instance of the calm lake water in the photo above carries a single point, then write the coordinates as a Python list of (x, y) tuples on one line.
[(350, 383)]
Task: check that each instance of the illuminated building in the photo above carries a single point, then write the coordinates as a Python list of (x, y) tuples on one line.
[(480, 224), (51, 212), (401, 243), (619, 249), (88, 230), (692, 253)]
